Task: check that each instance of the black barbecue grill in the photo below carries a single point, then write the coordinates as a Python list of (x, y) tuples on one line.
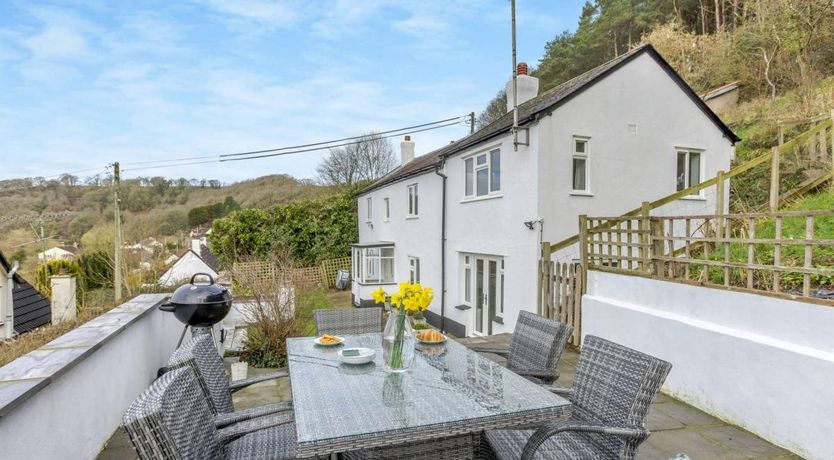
[(199, 305)]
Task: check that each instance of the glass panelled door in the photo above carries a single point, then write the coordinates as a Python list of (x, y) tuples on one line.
[(486, 293)]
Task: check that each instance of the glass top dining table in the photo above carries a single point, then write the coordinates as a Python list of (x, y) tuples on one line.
[(449, 390)]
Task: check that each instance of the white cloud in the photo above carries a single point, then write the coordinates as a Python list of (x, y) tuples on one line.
[(57, 42), (268, 13)]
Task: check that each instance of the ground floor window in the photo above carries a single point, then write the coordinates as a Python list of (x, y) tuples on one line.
[(688, 169), (414, 269), (373, 264), (482, 288)]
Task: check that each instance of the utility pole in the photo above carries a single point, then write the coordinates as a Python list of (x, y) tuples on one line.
[(472, 123), (515, 84), (117, 236)]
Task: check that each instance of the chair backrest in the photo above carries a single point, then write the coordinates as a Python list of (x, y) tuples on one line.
[(537, 342), (171, 420), (202, 357), (348, 321), (615, 383)]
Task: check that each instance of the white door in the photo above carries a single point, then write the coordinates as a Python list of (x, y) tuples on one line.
[(486, 295)]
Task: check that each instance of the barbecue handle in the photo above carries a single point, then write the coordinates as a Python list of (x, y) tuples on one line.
[(204, 274), (167, 306)]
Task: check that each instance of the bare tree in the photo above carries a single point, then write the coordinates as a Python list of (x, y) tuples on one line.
[(370, 158), (496, 108)]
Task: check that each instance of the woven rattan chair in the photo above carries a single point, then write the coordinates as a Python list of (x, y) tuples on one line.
[(171, 420), (611, 394), (348, 321), (535, 348), (202, 357)]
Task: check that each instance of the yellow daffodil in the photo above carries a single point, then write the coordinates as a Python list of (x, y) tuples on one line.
[(379, 295)]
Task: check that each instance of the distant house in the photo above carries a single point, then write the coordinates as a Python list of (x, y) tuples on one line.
[(58, 253), (467, 219), (723, 97), (149, 245), (29, 308), (198, 259)]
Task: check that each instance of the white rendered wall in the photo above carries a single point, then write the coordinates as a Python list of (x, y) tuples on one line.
[(78, 410), (495, 226), (626, 166), (184, 269), (762, 363), (414, 236)]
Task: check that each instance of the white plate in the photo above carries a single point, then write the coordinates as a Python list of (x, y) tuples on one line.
[(366, 355), (317, 341), (429, 342)]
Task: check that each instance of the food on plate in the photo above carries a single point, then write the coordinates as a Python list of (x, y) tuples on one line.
[(328, 339), (431, 336)]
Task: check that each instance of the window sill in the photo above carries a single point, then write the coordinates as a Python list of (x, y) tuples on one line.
[(498, 320), (482, 198), (580, 193), (694, 198), (411, 217), (463, 307), (365, 283)]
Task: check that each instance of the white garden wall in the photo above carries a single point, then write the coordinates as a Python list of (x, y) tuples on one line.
[(763, 363), (65, 399)]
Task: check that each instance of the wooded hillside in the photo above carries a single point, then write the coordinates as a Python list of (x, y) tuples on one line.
[(770, 46)]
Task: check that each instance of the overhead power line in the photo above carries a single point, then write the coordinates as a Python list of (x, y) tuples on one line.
[(266, 153)]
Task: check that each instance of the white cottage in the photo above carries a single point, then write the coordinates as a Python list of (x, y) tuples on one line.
[(467, 219)]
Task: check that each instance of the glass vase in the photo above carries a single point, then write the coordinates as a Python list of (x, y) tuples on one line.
[(398, 342)]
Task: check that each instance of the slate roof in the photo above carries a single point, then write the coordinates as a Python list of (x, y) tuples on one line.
[(31, 308), (541, 105), (209, 258)]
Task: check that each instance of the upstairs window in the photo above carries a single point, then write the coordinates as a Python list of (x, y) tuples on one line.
[(414, 269), (482, 174), (412, 201), (689, 169), (579, 179), (369, 215), (386, 208)]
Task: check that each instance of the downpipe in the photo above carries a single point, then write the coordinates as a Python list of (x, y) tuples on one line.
[(442, 247)]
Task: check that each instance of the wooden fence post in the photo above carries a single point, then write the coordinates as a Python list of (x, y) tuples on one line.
[(774, 180), (544, 258), (832, 146), (719, 193), (781, 134), (645, 210), (583, 247)]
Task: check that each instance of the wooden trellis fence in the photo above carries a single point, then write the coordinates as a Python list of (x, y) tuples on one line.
[(323, 274)]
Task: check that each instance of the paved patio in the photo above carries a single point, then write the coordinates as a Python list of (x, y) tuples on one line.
[(676, 427)]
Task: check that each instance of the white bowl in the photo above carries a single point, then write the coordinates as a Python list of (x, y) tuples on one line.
[(366, 355)]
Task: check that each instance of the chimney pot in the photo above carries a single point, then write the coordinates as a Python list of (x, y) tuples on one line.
[(521, 69), (406, 150)]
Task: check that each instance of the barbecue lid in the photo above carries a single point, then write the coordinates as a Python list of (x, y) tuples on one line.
[(200, 294)]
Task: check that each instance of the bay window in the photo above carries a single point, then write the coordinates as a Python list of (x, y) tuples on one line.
[(373, 264)]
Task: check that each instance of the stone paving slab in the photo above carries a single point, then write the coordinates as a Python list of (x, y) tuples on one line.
[(676, 427)]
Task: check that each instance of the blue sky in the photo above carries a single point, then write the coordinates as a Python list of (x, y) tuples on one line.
[(85, 83)]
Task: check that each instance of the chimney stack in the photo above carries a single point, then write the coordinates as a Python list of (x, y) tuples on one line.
[(528, 87), (406, 150)]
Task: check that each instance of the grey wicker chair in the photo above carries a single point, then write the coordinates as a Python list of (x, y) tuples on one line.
[(171, 420), (202, 357), (535, 348), (611, 395), (348, 321)]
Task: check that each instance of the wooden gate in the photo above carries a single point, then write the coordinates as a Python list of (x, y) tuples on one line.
[(560, 294)]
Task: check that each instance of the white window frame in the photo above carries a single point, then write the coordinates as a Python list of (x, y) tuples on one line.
[(584, 156), (466, 295), (472, 193), (414, 269), (387, 209), (413, 201), (367, 264), (687, 151), (369, 212)]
